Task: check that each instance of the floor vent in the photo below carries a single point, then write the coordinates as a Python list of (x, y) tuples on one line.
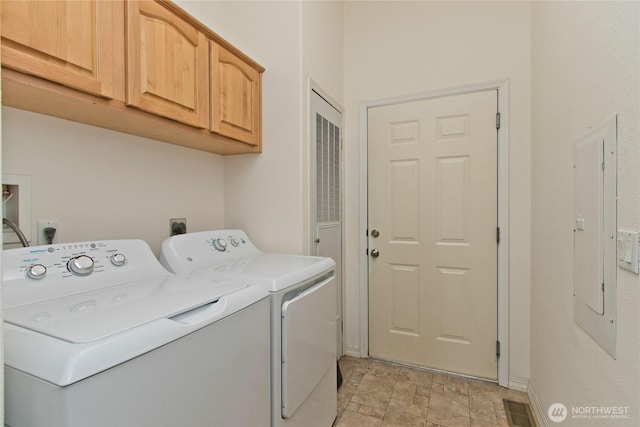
[(518, 414)]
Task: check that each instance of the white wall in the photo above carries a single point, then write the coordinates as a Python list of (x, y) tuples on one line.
[(396, 48), (585, 59), (101, 184)]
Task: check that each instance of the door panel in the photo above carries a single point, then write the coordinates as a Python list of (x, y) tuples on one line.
[(236, 103), (433, 199), (308, 346), (167, 65), (67, 42)]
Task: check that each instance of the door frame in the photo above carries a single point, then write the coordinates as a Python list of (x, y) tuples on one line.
[(502, 87)]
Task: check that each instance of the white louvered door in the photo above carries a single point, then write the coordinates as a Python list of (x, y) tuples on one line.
[(326, 131)]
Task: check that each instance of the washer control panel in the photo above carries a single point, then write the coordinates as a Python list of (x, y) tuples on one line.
[(77, 259), (42, 272)]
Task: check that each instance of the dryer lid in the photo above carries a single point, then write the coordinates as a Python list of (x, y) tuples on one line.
[(91, 316), (272, 271)]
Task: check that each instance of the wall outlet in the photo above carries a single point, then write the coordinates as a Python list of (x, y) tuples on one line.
[(177, 226), (44, 232)]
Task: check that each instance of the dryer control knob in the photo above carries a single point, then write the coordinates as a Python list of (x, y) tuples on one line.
[(235, 241), (220, 244), (36, 271), (118, 259), (81, 265)]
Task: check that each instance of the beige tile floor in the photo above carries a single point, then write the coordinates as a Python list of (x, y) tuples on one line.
[(381, 394)]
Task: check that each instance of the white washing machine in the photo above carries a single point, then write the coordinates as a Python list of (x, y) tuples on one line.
[(100, 334), (303, 320)]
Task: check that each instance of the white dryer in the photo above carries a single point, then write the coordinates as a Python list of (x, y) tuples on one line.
[(303, 320), (100, 334)]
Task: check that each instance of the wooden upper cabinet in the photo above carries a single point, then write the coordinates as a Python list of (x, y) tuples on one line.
[(66, 42), (91, 61), (236, 105), (167, 64)]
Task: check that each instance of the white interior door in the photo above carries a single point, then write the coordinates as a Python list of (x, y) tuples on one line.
[(433, 205), (326, 131)]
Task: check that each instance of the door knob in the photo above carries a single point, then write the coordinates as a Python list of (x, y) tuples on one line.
[(317, 241), (375, 233), (375, 253)]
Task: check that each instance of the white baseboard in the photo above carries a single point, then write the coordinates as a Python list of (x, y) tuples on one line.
[(517, 383), (353, 351), (538, 411)]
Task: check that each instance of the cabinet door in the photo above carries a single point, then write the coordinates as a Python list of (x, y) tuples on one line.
[(167, 65), (67, 42), (236, 106)]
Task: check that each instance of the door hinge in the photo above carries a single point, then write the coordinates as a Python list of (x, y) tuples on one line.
[(498, 349), (497, 234), (497, 120)]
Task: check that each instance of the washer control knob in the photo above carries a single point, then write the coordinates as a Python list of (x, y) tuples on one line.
[(235, 241), (36, 271), (118, 259), (81, 265), (220, 244)]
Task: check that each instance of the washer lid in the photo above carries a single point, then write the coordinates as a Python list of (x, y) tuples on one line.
[(273, 271), (95, 315)]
